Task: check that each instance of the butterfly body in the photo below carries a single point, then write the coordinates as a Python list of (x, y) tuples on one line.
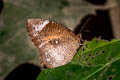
[(56, 44)]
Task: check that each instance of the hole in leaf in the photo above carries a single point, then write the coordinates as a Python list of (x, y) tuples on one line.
[(96, 53), (108, 58), (89, 54), (92, 57), (86, 59), (89, 64), (82, 49), (103, 51), (110, 78)]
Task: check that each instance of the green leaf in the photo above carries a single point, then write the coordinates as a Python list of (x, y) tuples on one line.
[(100, 60)]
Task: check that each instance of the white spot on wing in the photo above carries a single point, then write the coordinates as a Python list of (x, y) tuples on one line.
[(56, 41), (41, 25)]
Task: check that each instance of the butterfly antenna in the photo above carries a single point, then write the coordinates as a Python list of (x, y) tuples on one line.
[(85, 24), (79, 35)]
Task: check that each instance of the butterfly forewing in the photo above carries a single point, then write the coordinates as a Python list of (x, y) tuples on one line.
[(56, 44)]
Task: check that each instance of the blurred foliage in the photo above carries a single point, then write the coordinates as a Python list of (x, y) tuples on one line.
[(96, 60)]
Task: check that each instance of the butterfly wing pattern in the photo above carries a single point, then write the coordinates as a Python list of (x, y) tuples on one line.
[(56, 44)]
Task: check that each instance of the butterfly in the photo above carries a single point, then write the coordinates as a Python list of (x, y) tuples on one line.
[(56, 43)]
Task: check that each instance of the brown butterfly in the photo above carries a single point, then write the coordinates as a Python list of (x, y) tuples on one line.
[(56, 44)]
